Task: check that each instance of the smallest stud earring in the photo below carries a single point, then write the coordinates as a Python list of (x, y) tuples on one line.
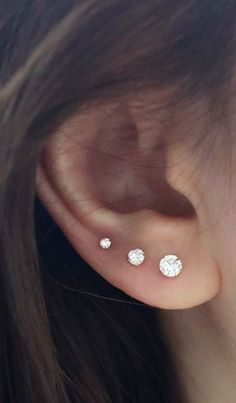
[(105, 243)]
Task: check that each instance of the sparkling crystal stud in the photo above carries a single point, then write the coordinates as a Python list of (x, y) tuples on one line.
[(136, 257), (105, 243), (170, 265)]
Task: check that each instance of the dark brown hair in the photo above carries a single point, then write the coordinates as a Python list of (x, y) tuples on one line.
[(58, 342)]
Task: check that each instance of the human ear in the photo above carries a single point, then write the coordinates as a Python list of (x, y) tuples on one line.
[(109, 171)]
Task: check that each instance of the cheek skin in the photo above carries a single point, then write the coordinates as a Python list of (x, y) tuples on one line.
[(218, 216)]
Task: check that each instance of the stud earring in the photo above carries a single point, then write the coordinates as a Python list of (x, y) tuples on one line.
[(136, 256), (170, 265), (105, 243)]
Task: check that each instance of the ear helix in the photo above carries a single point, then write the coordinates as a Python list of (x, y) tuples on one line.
[(169, 265)]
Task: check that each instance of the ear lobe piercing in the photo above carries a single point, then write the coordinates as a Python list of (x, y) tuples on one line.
[(170, 265), (136, 256), (105, 243)]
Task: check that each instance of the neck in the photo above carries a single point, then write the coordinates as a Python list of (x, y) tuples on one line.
[(203, 343)]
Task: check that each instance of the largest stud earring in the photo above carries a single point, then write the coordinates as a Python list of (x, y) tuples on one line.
[(170, 266)]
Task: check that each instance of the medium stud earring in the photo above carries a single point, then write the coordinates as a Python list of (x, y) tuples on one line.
[(136, 256), (170, 265), (105, 243)]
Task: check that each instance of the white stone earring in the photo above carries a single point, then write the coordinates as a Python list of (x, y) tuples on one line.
[(170, 265), (136, 256), (105, 243)]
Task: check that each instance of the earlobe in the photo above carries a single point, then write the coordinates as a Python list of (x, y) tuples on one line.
[(158, 259)]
